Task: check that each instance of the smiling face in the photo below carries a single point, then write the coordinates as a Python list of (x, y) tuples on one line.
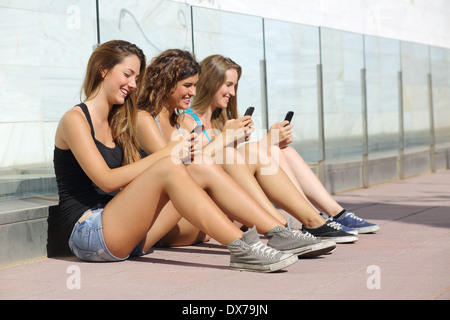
[(227, 90), (121, 80), (185, 89)]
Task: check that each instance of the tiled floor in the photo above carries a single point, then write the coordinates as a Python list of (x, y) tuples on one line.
[(407, 259)]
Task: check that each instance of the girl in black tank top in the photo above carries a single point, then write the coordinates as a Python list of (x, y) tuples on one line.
[(77, 193)]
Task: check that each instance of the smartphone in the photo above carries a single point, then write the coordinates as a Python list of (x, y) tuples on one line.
[(198, 129), (289, 116), (249, 111)]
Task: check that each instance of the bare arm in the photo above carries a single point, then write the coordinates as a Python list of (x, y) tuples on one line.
[(74, 133), (153, 143), (148, 133), (233, 132), (279, 134)]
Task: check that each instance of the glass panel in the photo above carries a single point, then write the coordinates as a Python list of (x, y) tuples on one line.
[(440, 69), (293, 53), (342, 60), (154, 26), (240, 38), (46, 46), (382, 60), (45, 50), (415, 67)]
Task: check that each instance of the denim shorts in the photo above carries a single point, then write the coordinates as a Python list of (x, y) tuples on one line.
[(87, 242)]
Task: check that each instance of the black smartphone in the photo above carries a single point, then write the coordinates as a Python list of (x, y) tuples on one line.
[(249, 111), (198, 129), (289, 116)]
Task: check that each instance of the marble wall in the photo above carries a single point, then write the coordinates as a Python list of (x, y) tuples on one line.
[(46, 45), (421, 21)]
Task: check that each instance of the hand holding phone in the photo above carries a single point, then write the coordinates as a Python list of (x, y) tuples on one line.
[(198, 129), (249, 111), (289, 116)]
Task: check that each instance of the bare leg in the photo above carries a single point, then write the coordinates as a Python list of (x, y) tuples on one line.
[(225, 192), (271, 188), (130, 215), (280, 189), (304, 179), (173, 230), (237, 168)]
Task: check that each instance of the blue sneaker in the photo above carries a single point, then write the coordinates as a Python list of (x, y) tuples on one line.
[(350, 220), (344, 228)]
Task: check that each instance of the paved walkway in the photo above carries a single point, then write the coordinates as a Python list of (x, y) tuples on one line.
[(407, 259)]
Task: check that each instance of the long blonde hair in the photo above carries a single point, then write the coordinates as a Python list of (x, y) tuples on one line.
[(122, 118), (213, 76)]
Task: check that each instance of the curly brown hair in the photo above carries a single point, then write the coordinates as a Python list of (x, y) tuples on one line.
[(161, 78)]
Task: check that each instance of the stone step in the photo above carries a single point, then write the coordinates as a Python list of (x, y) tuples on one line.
[(29, 229)]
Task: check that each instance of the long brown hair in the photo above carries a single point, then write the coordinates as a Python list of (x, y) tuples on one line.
[(213, 76), (122, 118), (161, 78)]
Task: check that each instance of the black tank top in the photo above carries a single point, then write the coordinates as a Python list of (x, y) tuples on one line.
[(77, 193)]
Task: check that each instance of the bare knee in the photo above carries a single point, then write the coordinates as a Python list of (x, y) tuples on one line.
[(205, 170), (291, 153), (183, 234), (232, 156), (258, 156), (169, 168)]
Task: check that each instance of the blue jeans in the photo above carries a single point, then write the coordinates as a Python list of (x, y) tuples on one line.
[(87, 242)]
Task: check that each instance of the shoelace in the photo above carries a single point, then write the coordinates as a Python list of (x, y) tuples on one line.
[(308, 235), (352, 215), (331, 220), (303, 235), (263, 250), (334, 225)]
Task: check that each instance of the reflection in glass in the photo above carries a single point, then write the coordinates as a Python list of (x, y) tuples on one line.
[(440, 69), (51, 41), (46, 46), (342, 60), (239, 37), (415, 68), (382, 62), (152, 25), (293, 53)]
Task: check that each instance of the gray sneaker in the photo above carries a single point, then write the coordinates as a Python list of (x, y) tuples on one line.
[(324, 246), (250, 254), (291, 240)]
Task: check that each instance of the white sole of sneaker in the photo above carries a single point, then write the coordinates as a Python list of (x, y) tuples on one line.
[(345, 239), (286, 262), (370, 229), (318, 249), (299, 251)]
